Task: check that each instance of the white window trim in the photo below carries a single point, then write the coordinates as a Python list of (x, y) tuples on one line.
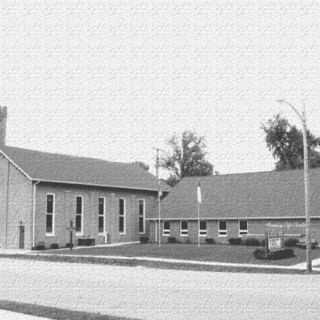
[(222, 232), (143, 216), (51, 234), (166, 232), (203, 232), (104, 216), (124, 216), (82, 207), (243, 232), (184, 232)]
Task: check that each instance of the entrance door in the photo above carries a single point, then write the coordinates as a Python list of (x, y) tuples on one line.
[(21, 237)]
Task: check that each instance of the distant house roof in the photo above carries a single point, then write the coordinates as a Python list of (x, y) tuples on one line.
[(249, 195), (51, 167)]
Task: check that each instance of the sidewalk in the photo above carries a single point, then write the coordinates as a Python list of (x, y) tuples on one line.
[(9, 315), (144, 260)]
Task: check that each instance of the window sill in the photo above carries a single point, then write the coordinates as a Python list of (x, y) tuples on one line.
[(50, 235), (79, 234), (166, 235), (184, 235), (122, 233), (222, 235)]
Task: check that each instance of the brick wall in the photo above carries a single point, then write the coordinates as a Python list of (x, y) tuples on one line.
[(65, 208), (256, 228), (17, 199)]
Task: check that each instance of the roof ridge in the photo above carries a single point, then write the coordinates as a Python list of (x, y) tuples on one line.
[(250, 173), (65, 155)]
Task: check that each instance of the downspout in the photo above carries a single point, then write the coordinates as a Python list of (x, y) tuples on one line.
[(34, 195)]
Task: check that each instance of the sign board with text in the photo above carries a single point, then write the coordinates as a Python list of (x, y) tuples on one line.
[(274, 243)]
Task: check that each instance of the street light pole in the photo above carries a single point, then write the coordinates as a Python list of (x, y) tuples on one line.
[(159, 196), (303, 119)]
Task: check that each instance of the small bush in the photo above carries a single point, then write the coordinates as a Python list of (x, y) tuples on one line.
[(39, 246), (172, 240), (291, 242), (69, 245), (235, 241), (252, 242), (86, 242), (144, 239), (273, 255), (260, 254), (210, 241), (54, 246)]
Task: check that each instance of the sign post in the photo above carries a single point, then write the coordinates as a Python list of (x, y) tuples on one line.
[(71, 228)]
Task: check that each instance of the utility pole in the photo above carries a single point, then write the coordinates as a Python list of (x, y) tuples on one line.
[(303, 119), (159, 195)]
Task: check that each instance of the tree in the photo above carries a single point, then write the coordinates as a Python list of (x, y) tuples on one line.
[(142, 165), (285, 141), (186, 158)]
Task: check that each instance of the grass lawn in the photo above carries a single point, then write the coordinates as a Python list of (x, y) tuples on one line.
[(217, 253)]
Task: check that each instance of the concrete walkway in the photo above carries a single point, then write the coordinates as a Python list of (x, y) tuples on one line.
[(299, 266)]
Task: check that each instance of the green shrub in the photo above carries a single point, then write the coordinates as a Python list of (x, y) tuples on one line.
[(260, 254), (210, 241), (69, 245), (86, 242), (144, 239), (291, 242), (54, 246), (39, 246), (172, 240), (235, 241), (273, 255), (252, 242)]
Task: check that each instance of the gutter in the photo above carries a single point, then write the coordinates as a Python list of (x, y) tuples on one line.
[(34, 195)]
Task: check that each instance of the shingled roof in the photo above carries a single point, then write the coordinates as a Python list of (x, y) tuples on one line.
[(51, 167), (250, 195)]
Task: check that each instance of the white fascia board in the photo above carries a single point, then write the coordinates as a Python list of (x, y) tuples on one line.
[(16, 166)]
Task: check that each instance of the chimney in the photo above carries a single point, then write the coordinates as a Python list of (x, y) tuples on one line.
[(3, 125)]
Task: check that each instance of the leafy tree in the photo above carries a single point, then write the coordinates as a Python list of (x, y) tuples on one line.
[(285, 141), (142, 165), (187, 157)]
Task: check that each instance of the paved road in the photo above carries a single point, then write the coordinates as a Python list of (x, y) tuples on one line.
[(146, 293)]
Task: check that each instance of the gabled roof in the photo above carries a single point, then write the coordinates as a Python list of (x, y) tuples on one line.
[(51, 167), (250, 195)]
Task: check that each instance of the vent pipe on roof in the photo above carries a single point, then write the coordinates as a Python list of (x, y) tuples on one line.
[(3, 125)]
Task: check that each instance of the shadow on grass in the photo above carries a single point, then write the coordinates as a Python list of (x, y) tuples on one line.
[(54, 313)]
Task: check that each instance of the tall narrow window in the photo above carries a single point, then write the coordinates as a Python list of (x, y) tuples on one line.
[(243, 227), (50, 214), (101, 214), (142, 213), (203, 229), (79, 214), (122, 216), (222, 231), (184, 228)]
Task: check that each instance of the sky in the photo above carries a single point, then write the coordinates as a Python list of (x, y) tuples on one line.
[(115, 79)]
